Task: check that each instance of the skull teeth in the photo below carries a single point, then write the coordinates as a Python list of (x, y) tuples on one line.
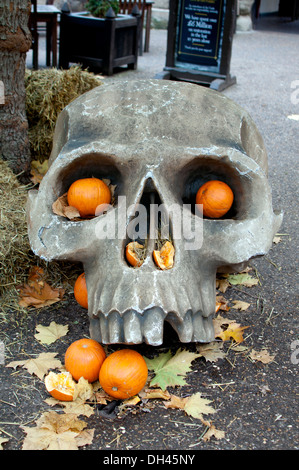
[(135, 328)]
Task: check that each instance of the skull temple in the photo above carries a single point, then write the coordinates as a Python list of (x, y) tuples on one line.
[(156, 141)]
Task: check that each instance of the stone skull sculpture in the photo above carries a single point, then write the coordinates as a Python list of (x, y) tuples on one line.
[(159, 138)]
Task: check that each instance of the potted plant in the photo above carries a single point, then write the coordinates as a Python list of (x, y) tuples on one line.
[(99, 8), (99, 38)]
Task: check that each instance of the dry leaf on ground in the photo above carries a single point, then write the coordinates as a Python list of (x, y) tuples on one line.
[(262, 356), (49, 334), (39, 365), (194, 405), (243, 279), (55, 431), (2, 441), (169, 370), (154, 393), (234, 331), (212, 431), (211, 351), (223, 303), (222, 285), (37, 292), (220, 321), (240, 305)]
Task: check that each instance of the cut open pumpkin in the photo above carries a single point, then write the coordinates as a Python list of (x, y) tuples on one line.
[(164, 257), (135, 254), (61, 386)]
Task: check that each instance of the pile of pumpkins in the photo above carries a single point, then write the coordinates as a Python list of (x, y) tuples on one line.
[(123, 373)]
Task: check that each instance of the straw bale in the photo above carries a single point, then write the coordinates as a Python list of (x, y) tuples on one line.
[(48, 91), (16, 256)]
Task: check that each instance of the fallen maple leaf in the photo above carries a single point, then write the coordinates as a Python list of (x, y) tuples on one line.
[(212, 431), (74, 407), (49, 334), (154, 393), (194, 405), (262, 356), (218, 322), (222, 285), (176, 402), (55, 431), (243, 279), (222, 302), (37, 292), (240, 305), (39, 365), (234, 331), (2, 441), (211, 351), (171, 370)]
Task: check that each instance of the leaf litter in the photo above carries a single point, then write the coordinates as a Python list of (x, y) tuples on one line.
[(167, 371)]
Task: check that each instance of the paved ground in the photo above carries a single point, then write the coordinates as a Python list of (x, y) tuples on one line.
[(256, 403)]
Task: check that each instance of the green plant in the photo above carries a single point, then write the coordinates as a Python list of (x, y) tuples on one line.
[(99, 8)]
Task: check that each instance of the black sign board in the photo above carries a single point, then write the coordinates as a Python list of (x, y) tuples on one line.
[(199, 42)]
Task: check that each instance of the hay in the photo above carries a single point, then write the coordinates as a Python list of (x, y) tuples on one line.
[(48, 91), (14, 244), (16, 256)]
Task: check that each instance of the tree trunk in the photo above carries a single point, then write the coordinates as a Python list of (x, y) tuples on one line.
[(15, 41)]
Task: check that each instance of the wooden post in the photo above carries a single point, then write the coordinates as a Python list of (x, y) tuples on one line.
[(109, 45)]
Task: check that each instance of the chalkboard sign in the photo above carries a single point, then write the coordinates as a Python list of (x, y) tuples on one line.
[(200, 31), (199, 43)]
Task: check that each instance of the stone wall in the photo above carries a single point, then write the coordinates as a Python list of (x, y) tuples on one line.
[(160, 14), (244, 20)]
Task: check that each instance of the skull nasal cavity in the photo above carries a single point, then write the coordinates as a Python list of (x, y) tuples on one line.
[(149, 226)]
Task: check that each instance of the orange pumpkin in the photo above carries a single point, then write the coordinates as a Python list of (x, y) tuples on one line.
[(80, 291), (87, 194), (123, 374), (61, 386), (164, 257), (84, 358), (133, 254), (216, 198)]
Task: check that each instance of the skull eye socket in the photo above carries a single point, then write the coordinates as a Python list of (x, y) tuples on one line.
[(203, 169), (87, 166)]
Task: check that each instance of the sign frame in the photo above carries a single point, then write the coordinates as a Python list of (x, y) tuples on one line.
[(198, 70)]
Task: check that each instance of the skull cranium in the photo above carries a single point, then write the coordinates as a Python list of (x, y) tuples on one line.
[(163, 138)]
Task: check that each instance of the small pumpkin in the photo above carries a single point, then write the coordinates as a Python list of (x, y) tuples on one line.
[(164, 257), (84, 358), (216, 198), (134, 254), (61, 386), (87, 194), (80, 291), (123, 374)]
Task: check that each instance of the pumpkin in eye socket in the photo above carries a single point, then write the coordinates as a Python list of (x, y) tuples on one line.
[(216, 198), (87, 194)]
